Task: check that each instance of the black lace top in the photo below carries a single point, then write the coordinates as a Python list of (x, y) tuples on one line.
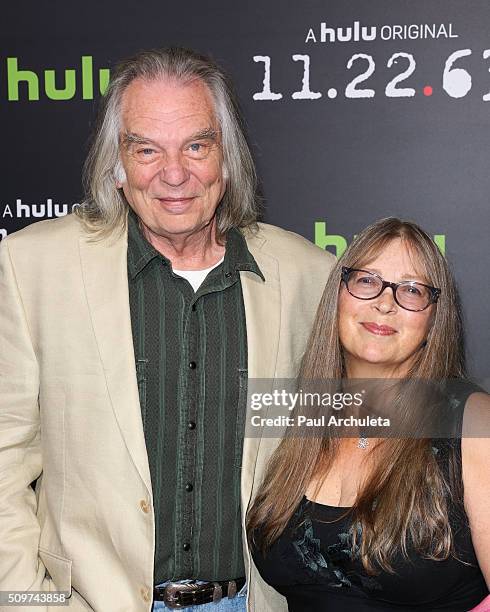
[(312, 565)]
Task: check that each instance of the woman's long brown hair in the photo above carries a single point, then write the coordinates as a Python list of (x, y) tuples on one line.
[(403, 501)]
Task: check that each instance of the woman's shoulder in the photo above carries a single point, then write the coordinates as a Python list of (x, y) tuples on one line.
[(475, 452), (476, 422), (475, 436), (475, 411)]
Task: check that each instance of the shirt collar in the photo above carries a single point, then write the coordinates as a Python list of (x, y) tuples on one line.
[(237, 256), (141, 252)]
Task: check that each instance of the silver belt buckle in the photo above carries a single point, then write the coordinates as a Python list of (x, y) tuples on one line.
[(171, 598)]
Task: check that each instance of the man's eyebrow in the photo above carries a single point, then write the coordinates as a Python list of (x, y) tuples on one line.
[(205, 134), (130, 138)]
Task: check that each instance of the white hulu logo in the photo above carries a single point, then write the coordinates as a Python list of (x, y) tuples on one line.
[(41, 210), (355, 33)]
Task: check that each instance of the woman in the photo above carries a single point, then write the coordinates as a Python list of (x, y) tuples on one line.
[(356, 524)]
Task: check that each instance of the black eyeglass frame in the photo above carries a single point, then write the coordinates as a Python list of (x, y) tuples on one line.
[(434, 292)]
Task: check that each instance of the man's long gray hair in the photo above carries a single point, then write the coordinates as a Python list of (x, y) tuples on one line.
[(104, 207)]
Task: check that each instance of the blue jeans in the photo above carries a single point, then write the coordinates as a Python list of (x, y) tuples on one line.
[(235, 604)]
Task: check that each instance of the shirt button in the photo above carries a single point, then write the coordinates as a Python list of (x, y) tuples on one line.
[(188, 487), (191, 425), (144, 506), (145, 593), (228, 274), (192, 365), (186, 546)]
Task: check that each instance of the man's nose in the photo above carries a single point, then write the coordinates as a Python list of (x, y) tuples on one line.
[(174, 170)]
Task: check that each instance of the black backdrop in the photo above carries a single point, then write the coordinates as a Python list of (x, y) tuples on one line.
[(413, 146)]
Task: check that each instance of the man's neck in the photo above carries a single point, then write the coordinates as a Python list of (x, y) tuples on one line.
[(196, 251)]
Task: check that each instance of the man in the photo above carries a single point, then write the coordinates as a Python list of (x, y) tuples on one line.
[(128, 332)]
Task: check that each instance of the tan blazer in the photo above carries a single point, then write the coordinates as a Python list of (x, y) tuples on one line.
[(70, 415)]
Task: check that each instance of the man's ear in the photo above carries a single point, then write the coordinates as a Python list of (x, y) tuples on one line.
[(224, 172), (119, 174)]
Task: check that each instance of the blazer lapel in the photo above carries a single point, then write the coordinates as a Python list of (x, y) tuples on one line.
[(262, 302), (104, 270)]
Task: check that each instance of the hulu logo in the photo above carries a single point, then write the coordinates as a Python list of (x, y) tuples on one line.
[(55, 86), (339, 243)]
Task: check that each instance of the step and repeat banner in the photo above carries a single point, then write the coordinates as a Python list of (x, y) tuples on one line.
[(355, 110)]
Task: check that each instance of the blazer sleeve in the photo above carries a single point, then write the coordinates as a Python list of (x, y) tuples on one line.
[(20, 448)]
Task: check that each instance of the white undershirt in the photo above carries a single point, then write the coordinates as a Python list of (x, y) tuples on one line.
[(196, 277)]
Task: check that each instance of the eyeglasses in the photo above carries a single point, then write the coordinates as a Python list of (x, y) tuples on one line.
[(410, 295)]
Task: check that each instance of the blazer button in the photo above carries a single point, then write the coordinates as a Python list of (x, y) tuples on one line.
[(145, 593), (144, 506)]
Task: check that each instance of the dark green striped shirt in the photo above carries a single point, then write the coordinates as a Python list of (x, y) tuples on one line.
[(191, 364)]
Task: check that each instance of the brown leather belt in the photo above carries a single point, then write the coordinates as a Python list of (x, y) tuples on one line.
[(182, 595)]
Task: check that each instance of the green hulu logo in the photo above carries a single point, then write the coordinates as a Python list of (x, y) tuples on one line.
[(339, 243), (53, 88)]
